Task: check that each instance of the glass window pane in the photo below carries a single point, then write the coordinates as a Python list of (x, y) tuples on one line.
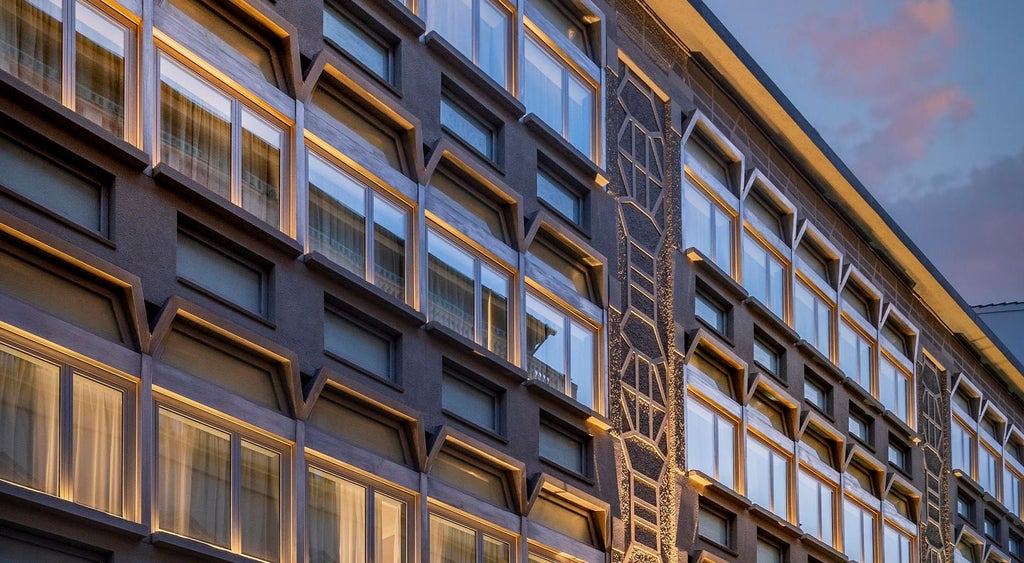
[(493, 41), (29, 418), (582, 373), (697, 221), (194, 480), (494, 308), (337, 519), (357, 344), (31, 39), (453, 19), (195, 128), (337, 216), (495, 551), (722, 249), (451, 286), (759, 474), (542, 85), (389, 527), (261, 168), (450, 542), (559, 197), (580, 110), (545, 344), (100, 45), (359, 43), (389, 233), (98, 445), (260, 502), (467, 127), (755, 269)]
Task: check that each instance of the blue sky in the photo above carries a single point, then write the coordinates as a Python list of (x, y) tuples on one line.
[(924, 100)]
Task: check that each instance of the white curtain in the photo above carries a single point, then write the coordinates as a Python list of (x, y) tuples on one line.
[(30, 43), (29, 419), (194, 480), (98, 464), (261, 168), (451, 543), (390, 529), (99, 68), (337, 520), (260, 502)]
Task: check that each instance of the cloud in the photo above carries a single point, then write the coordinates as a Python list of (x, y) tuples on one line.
[(974, 231), (896, 66)]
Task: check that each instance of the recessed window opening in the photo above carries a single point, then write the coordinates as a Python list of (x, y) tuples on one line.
[(479, 29), (465, 125), (569, 270), (562, 199), (361, 44)]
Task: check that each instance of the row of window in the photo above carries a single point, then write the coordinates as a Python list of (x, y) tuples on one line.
[(71, 431), (750, 449), (795, 274)]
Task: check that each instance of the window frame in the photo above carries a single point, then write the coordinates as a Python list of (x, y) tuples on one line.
[(242, 102), (68, 368), (342, 11), (426, 11), (238, 432), (719, 208), (480, 529), (493, 151), (819, 300), (719, 416)]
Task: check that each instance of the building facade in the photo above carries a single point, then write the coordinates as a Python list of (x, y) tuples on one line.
[(496, 281)]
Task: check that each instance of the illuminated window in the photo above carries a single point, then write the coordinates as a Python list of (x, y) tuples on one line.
[(764, 275), (817, 504), (897, 546), (813, 318), (569, 269), (451, 542), (349, 521), (1011, 493), (218, 487), (561, 351), (356, 227), (855, 353), (479, 29), (82, 458), (962, 442), (858, 532), (221, 143), (707, 227), (988, 469), (88, 74), (768, 477), (894, 389), (467, 294), (559, 95), (711, 443)]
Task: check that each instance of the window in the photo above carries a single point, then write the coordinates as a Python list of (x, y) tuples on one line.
[(469, 128), (713, 526), (968, 550), (65, 432), (855, 353), (765, 213), (89, 74), (711, 443), (817, 394), (991, 526), (360, 44), (711, 312), (1015, 546), (451, 542), (816, 506), (965, 402), (472, 401), (564, 448), (479, 29), (351, 522), (768, 552), (223, 273), (768, 357), (467, 295), (767, 477), (707, 162), (359, 124), (898, 455), (988, 469), (764, 275), (858, 532), (359, 345), (894, 389), (895, 336), (218, 487), (815, 260), (813, 318), (558, 95), (897, 546), (572, 271), (860, 428), (561, 351), (1012, 491), (341, 213), (962, 443), (856, 300), (221, 143), (707, 227), (484, 211), (560, 198), (965, 507)]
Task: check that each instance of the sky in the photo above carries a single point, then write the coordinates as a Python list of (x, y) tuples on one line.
[(924, 101)]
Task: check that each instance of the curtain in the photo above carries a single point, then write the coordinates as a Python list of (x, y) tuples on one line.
[(451, 290), (338, 231), (389, 224), (453, 19), (542, 86), (390, 529), (495, 551), (99, 68), (545, 347), (260, 502), (337, 520), (98, 453), (29, 419), (493, 41), (195, 128), (494, 305), (30, 43), (261, 168), (450, 543), (194, 482)]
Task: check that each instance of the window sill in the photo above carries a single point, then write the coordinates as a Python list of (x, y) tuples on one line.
[(896, 421), (197, 548), (194, 191), (787, 528), (75, 125), (474, 427), (467, 345), (818, 547), (320, 263), (567, 471), (765, 314), (82, 514), (812, 354), (574, 407), (715, 272), (495, 93), (494, 163), (574, 156), (210, 294), (404, 16), (857, 391), (719, 493)]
